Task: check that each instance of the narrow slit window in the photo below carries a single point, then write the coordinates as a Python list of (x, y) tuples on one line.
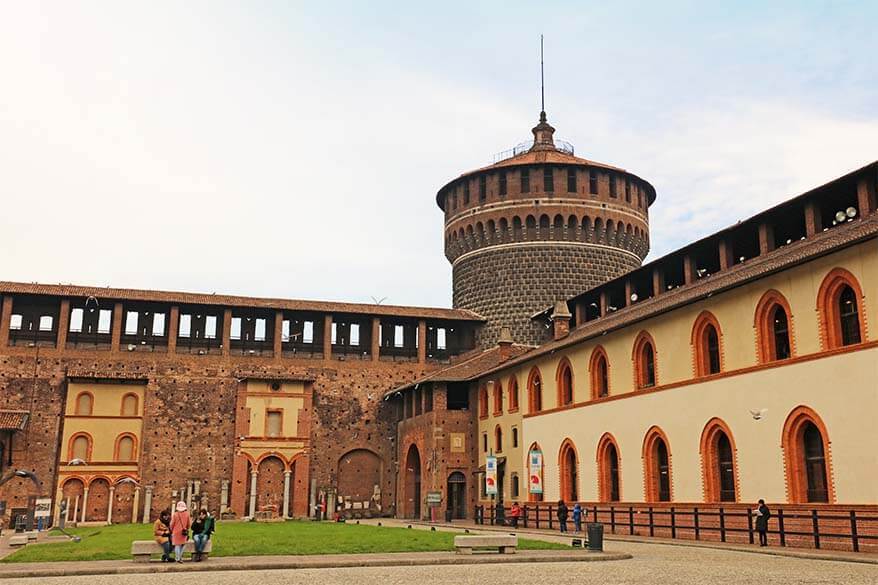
[(105, 318), (483, 188), (613, 193), (355, 334), (285, 331), (571, 180), (502, 181), (525, 180), (548, 180), (593, 182), (440, 338), (398, 336), (334, 333)]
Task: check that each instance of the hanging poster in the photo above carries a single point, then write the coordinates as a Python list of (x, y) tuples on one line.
[(535, 471), (490, 475)]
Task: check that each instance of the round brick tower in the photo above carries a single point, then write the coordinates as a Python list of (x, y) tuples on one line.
[(537, 226)]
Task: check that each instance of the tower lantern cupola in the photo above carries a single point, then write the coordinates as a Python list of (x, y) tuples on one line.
[(543, 133)]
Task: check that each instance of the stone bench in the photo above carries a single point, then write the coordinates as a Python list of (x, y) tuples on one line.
[(504, 543), (142, 550), (17, 540)]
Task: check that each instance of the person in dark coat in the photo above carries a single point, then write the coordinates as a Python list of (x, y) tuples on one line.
[(562, 515), (762, 516)]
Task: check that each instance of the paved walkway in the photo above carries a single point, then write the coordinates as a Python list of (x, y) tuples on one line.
[(651, 564)]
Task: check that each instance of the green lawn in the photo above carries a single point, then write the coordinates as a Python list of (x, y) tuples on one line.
[(253, 538)]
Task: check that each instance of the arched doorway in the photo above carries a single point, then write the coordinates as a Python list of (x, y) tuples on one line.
[(456, 494), (569, 483), (72, 493), (359, 482), (412, 505)]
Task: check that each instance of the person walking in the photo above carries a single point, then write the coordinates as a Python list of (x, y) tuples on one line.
[(180, 523), (577, 518), (515, 514), (562, 515), (161, 531), (762, 516), (202, 528)]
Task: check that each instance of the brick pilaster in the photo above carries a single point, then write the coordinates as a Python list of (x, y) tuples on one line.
[(766, 238), (376, 338), (866, 196), (725, 254), (227, 332), (63, 324), (812, 219), (278, 334), (658, 282), (116, 336), (327, 337), (422, 341), (4, 324), (173, 328), (688, 269)]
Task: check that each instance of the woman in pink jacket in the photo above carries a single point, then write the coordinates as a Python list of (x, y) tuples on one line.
[(180, 523)]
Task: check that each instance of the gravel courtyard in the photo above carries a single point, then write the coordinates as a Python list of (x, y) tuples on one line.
[(652, 563)]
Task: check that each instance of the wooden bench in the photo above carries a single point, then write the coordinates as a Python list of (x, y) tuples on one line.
[(504, 543), (142, 550)]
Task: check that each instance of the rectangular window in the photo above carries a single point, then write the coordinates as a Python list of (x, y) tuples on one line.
[(46, 323), (210, 327), (627, 191), (571, 180), (548, 180), (514, 488), (593, 182), (308, 332), (274, 423), (185, 326), (466, 192), (76, 320), (105, 318), (334, 334), (485, 442), (502, 178), (398, 336), (15, 322), (236, 328), (525, 180), (285, 331), (158, 324), (355, 334), (440, 338), (612, 186), (131, 323), (483, 188), (514, 437), (259, 331)]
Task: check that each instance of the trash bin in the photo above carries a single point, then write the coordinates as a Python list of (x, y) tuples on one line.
[(447, 515), (595, 536)]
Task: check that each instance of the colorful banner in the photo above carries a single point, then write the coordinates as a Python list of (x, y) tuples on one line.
[(490, 475), (535, 471)]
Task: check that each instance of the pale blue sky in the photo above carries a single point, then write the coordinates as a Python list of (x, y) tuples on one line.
[(294, 149)]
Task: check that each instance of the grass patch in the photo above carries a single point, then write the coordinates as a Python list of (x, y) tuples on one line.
[(254, 538)]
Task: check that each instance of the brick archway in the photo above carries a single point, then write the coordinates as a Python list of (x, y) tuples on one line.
[(412, 489), (700, 341), (795, 463), (828, 307), (568, 469), (654, 469), (711, 435), (607, 474), (763, 323)]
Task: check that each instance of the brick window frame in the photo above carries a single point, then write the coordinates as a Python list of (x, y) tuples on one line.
[(651, 486), (638, 357), (794, 455), (568, 479), (88, 450), (483, 401), (534, 391), (136, 404), (711, 481), (765, 348), (598, 354), (603, 467), (117, 447), (564, 383), (699, 342), (828, 311), (498, 439), (512, 389), (498, 397), (269, 411), (91, 407)]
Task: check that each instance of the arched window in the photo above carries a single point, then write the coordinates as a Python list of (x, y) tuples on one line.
[(718, 462), (125, 448), (498, 397), (657, 466), (129, 405), (599, 368), (80, 448), (609, 486), (840, 307), (644, 361), (512, 386), (774, 331), (84, 403), (567, 463), (565, 383), (483, 401), (806, 453), (706, 345), (534, 391), (498, 439)]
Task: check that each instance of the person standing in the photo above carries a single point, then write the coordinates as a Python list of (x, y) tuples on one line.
[(202, 528), (577, 518), (161, 531), (515, 514), (562, 515), (180, 523), (762, 516)]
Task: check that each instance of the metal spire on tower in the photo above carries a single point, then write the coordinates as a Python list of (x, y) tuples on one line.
[(542, 84)]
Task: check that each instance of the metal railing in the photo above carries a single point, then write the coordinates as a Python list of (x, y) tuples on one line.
[(851, 529), (560, 145)]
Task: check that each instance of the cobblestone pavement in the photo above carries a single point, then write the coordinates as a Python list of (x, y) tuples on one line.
[(652, 563)]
